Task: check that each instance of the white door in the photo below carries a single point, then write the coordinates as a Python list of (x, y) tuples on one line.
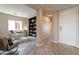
[(67, 31)]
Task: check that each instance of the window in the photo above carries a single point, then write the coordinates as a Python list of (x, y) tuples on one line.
[(18, 25), (14, 25), (11, 25)]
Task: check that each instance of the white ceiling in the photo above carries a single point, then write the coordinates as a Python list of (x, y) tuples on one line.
[(51, 6), (56, 6), (28, 11), (18, 10), (49, 9)]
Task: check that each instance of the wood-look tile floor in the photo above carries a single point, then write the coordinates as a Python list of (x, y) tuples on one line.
[(30, 48)]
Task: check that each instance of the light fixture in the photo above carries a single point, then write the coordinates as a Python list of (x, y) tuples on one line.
[(25, 28), (46, 18), (50, 15)]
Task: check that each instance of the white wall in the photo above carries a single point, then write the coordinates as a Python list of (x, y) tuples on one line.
[(68, 19), (4, 23), (68, 23), (46, 27), (55, 27)]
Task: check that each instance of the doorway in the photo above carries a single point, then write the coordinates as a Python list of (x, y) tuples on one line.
[(67, 27)]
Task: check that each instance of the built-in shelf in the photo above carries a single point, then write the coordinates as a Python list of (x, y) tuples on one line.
[(32, 26)]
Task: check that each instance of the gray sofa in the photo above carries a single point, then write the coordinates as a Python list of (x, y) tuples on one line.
[(7, 44)]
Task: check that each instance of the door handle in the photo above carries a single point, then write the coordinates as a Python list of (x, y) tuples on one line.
[(60, 28)]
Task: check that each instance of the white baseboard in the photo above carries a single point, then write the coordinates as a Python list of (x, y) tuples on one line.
[(66, 44), (55, 41), (77, 46)]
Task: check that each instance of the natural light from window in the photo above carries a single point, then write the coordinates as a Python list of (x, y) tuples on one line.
[(14, 25)]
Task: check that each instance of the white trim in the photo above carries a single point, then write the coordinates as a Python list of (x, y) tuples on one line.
[(55, 42), (77, 46), (65, 44)]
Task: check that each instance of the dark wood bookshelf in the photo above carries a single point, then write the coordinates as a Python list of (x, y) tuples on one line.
[(32, 26)]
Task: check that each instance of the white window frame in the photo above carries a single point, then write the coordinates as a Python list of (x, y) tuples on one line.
[(13, 25)]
